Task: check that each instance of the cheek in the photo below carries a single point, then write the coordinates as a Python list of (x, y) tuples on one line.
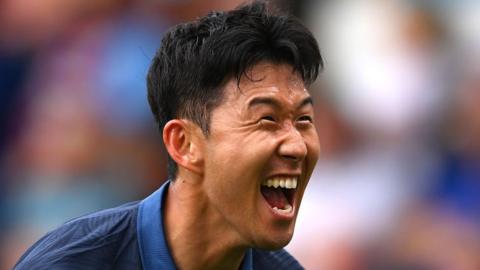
[(238, 156), (243, 146), (237, 165), (234, 169)]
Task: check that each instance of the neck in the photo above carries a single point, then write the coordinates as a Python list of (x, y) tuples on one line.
[(198, 236)]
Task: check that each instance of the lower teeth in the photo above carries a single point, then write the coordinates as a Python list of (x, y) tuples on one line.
[(287, 209)]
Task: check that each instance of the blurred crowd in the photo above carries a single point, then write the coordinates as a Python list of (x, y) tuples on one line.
[(398, 182)]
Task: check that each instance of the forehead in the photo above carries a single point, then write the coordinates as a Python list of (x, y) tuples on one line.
[(267, 79)]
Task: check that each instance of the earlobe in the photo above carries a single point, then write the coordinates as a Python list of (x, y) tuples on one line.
[(179, 137)]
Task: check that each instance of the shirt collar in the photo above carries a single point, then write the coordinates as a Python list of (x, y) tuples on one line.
[(154, 251)]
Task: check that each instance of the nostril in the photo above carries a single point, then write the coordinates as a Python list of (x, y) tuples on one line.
[(290, 157)]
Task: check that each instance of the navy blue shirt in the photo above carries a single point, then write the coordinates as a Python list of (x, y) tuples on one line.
[(130, 236)]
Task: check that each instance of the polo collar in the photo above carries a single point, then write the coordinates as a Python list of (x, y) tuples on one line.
[(154, 251)]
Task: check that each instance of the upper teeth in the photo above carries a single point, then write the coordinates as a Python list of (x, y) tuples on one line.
[(283, 182)]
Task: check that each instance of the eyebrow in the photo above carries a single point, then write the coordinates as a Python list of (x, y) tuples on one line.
[(306, 101), (275, 103)]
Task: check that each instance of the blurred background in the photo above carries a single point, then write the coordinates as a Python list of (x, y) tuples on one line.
[(398, 182)]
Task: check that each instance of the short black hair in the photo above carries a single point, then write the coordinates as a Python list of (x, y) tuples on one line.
[(196, 59)]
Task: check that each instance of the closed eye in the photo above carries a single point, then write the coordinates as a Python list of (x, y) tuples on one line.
[(268, 122), (305, 118), (268, 118)]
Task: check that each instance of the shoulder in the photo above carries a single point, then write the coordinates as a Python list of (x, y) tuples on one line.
[(93, 241), (278, 259)]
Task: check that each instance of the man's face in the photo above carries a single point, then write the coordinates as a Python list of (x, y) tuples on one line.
[(261, 135)]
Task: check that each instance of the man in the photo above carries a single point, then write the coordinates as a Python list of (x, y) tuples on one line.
[(228, 92)]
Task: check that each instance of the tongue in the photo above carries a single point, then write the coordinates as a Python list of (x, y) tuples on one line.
[(274, 197)]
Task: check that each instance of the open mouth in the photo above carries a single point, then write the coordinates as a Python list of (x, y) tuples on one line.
[(279, 192)]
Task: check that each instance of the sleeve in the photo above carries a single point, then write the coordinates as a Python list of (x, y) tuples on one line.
[(92, 242)]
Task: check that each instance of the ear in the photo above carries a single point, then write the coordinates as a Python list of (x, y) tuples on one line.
[(183, 145)]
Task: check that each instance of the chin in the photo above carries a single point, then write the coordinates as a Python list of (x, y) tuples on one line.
[(274, 242)]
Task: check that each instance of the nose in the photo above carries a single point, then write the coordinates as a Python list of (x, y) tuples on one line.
[(293, 146)]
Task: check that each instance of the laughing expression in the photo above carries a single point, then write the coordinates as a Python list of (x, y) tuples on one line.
[(259, 154)]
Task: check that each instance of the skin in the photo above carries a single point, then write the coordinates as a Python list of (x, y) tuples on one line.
[(214, 208)]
